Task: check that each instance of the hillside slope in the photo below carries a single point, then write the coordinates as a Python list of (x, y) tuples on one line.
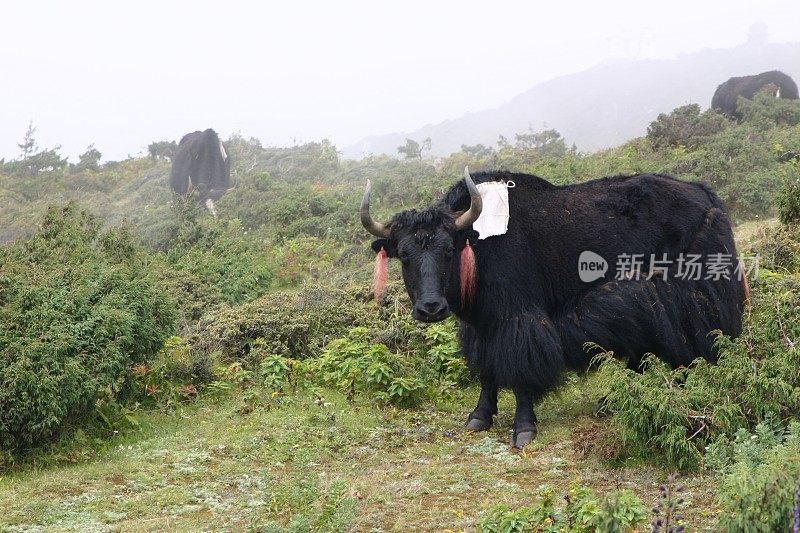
[(600, 107)]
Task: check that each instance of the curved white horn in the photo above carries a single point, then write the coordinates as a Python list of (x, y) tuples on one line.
[(376, 228), (475, 207)]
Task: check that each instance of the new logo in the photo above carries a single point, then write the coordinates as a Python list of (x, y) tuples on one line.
[(591, 266)]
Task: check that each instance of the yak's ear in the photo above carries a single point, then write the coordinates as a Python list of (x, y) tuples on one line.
[(465, 235), (387, 245)]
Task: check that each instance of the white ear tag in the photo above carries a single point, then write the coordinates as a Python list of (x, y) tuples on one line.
[(494, 215)]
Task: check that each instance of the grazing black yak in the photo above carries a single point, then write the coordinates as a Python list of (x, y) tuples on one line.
[(201, 165), (524, 307), (727, 95)]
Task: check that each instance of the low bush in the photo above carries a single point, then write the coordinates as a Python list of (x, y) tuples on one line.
[(685, 126), (765, 111), (676, 413), (778, 250), (223, 259), (337, 338), (78, 310), (299, 324), (789, 202), (583, 512), (760, 475), (176, 374), (354, 364)]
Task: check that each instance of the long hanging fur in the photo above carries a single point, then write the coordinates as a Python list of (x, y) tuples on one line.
[(468, 275), (380, 274)]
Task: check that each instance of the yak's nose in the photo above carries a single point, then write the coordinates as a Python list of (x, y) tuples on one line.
[(431, 310)]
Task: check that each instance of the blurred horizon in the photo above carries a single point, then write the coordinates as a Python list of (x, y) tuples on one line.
[(120, 76)]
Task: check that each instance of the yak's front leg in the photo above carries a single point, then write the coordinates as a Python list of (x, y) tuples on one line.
[(524, 419), (481, 418)]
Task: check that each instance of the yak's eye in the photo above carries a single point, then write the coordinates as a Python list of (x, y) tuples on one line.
[(403, 256), (449, 251)]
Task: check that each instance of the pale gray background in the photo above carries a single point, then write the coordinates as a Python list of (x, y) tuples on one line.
[(122, 74)]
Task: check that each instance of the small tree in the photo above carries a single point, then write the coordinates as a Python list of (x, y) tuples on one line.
[(90, 159), (45, 161), (478, 151), (28, 144), (546, 142), (162, 150), (413, 150), (34, 160)]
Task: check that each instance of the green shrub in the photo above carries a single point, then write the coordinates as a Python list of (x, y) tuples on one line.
[(685, 126), (760, 474), (444, 353), (175, 375), (78, 309), (583, 513), (789, 203), (298, 325), (675, 413), (223, 259), (753, 194), (765, 111), (778, 249), (354, 364), (312, 338)]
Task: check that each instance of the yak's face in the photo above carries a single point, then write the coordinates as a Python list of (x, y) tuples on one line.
[(426, 256), (426, 243)]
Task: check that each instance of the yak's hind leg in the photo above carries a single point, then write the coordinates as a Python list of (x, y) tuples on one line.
[(718, 302), (673, 317), (630, 318)]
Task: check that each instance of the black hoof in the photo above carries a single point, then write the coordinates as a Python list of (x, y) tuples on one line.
[(520, 438), (478, 424)]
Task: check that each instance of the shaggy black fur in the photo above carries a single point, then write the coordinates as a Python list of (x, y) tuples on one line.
[(199, 162), (532, 313), (727, 94)]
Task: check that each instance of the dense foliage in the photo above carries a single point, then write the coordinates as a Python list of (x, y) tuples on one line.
[(789, 202), (760, 476), (678, 412), (78, 309)]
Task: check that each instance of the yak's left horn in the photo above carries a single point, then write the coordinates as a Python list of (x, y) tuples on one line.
[(475, 207), (376, 228)]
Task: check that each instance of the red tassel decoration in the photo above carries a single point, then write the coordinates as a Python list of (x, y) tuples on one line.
[(380, 275), (468, 275)]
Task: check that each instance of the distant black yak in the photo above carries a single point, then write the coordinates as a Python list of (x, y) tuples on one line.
[(524, 307), (727, 94), (201, 165)]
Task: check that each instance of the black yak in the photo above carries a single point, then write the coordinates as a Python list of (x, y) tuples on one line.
[(524, 309), (201, 165), (727, 95)]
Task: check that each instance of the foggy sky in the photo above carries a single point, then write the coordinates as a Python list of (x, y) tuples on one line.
[(123, 74)]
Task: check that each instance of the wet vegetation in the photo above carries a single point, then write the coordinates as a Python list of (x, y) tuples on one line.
[(160, 368)]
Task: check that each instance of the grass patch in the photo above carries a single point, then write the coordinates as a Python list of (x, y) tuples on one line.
[(312, 461)]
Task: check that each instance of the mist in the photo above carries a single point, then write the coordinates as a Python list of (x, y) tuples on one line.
[(121, 75)]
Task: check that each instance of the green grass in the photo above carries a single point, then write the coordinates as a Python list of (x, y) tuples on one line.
[(212, 468)]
